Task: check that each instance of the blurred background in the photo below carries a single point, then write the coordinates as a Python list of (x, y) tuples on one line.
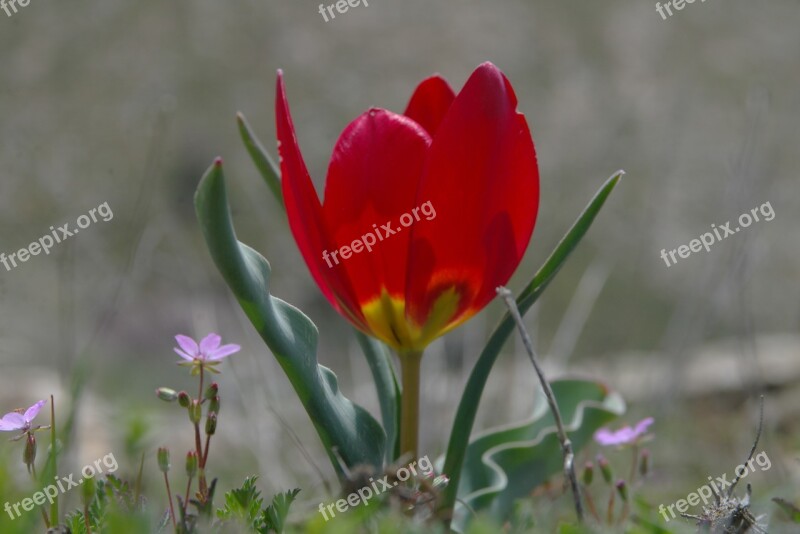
[(129, 102)]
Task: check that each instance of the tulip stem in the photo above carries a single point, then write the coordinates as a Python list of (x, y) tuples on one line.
[(409, 408)]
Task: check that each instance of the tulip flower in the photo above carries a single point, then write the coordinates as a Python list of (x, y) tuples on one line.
[(470, 158)]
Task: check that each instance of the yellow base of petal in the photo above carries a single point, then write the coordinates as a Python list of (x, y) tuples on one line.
[(387, 320)]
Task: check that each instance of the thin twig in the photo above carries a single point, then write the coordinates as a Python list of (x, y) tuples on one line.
[(185, 505), (566, 444), (171, 508), (753, 450), (86, 518)]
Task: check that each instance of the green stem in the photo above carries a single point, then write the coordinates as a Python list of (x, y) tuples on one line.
[(54, 457), (409, 408)]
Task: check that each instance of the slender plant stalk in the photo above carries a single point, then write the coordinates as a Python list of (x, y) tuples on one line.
[(610, 511), (208, 445), (199, 449), (54, 456), (409, 407), (86, 519), (171, 507), (138, 489), (634, 464), (201, 481), (591, 506), (186, 499), (32, 471), (566, 444)]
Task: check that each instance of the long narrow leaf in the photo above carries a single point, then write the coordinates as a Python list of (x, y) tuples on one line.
[(468, 406), (346, 429), (264, 163), (379, 359)]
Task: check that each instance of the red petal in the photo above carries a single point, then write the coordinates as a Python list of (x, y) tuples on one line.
[(372, 180), (305, 214), (430, 102), (482, 179)]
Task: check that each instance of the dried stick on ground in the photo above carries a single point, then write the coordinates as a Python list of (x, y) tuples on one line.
[(566, 444)]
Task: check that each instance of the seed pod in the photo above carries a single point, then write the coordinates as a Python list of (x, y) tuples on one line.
[(622, 489), (195, 412), (29, 453), (167, 394), (588, 473), (163, 459), (214, 404), (605, 468), (211, 424), (211, 391), (191, 464), (644, 462)]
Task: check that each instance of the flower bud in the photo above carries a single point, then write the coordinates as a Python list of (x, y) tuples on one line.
[(195, 412), (163, 459), (644, 462), (588, 473), (211, 391), (166, 394), (622, 489), (211, 424), (605, 468), (29, 453), (183, 399), (191, 464), (213, 406)]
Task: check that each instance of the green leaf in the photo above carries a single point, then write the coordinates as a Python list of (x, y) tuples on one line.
[(379, 359), (508, 462), (346, 430), (243, 504), (377, 354), (264, 163), (276, 513), (468, 406)]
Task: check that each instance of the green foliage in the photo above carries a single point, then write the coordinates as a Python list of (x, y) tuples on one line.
[(114, 507), (244, 506), (506, 463), (276, 513), (343, 427)]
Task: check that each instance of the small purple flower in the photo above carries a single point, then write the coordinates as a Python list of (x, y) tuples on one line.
[(208, 351), (625, 435), (21, 421)]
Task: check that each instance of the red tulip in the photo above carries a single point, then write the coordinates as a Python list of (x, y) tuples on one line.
[(467, 160)]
